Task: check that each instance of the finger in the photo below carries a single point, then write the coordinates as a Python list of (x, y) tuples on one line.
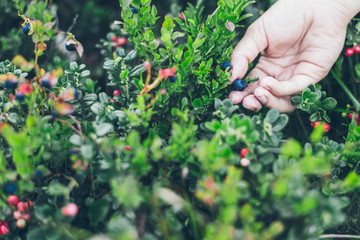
[(251, 103), (247, 49), (283, 104), (290, 87), (236, 97)]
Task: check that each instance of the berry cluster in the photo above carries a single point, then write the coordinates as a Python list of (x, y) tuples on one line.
[(22, 214), (325, 126), (244, 161), (239, 84), (351, 115), (350, 51), (118, 41)]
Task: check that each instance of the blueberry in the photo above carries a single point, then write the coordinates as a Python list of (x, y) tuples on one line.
[(10, 84), (26, 29), (20, 96), (226, 65), (74, 151), (239, 85), (173, 79), (133, 10), (76, 93), (38, 175), (54, 114), (70, 47), (45, 83), (9, 188)]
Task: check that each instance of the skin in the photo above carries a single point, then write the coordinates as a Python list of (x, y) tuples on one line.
[(299, 41)]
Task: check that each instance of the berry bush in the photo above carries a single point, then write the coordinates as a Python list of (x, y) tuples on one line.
[(145, 144)]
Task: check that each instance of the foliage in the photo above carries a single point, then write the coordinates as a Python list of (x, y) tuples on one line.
[(160, 158)]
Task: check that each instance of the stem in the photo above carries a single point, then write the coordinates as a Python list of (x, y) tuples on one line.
[(351, 69), (347, 91), (339, 236)]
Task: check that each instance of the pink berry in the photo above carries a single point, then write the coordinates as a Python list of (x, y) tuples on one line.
[(163, 91), (357, 49), (114, 39), (26, 216), (127, 148), (13, 200), (4, 229), (70, 210), (121, 41), (22, 206), (245, 162), (17, 215), (116, 93), (243, 152), (314, 124), (349, 52), (21, 223), (147, 65)]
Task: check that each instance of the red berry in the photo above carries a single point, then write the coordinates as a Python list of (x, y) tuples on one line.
[(127, 148), (114, 39), (121, 41), (351, 116), (314, 124), (116, 93), (31, 204), (13, 200), (349, 52), (27, 217), (70, 210), (17, 215), (326, 127), (20, 223), (357, 49), (4, 229), (243, 152), (22, 206)]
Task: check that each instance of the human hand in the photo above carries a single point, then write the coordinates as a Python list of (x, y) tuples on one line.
[(299, 41)]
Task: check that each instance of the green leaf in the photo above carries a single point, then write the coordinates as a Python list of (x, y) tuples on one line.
[(103, 97), (272, 116), (198, 43), (103, 128), (98, 211), (87, 151), (76, 140), (329, 103)]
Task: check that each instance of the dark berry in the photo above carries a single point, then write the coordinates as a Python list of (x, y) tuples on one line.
[(54, 114), (226, 65), (20, 96), (10, 188), (133, 10), (70, 47), (76, 93), (349, 52), (357, 49), (74, 151), (26, 29), (10, 84), (173, 79), (46, 83), (239, 85)]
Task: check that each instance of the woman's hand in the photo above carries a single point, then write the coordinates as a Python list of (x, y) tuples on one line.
[(299, 41)]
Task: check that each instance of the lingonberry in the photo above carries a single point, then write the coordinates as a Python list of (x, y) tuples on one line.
[(127, 148), (326, 127), (314, 124), (349, 52), (357, 49), (4, 229), (116, 93), (245, 162), (70, 47), (26, 29), (26, 216), (17, 215), (226, 65), (13, 200), (351, 116), (22, 206), (243, 152), (121, 41), (70, 210), (239, 85), (21, 223)]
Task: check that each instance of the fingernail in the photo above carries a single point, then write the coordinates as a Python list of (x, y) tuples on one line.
[(262, 99)]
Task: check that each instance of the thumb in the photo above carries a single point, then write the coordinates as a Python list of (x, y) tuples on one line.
[(248, 48)]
